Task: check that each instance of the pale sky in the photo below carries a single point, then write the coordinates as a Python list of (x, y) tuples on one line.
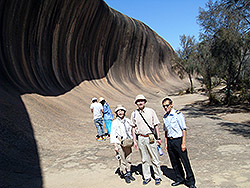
[(168, 18)]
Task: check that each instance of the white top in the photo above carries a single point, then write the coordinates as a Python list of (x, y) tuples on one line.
[(120, 130), (97, 107)]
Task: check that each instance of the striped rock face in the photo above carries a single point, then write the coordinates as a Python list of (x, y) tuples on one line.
[(49, 47), (55, 55)]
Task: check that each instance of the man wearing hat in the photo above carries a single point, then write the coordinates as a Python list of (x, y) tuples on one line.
[(122, 129), (107, 114), (96, 109), (145, 122)]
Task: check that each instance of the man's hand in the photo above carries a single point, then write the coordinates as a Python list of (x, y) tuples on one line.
[(135, 145), (183, 147)]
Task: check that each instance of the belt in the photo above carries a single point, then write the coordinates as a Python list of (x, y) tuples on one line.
[(144, 135), (171, 138)]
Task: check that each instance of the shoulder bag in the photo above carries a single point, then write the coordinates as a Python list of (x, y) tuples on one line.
[(153, 135), (127, 142)]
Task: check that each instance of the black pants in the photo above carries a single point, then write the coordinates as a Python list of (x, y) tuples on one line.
[(177, 156)]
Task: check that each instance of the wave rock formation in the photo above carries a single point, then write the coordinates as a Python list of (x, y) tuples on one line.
[(50, 46), (54, 56)]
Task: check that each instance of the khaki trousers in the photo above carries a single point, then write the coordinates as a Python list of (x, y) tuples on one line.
[(149, 153), (125, 162)]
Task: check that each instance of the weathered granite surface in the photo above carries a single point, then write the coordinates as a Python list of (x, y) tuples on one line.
[(50, 46)]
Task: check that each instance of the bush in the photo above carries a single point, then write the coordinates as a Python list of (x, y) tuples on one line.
[(213, 99)]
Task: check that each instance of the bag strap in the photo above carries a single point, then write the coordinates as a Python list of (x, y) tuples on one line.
[(125, 128), (150, 128)]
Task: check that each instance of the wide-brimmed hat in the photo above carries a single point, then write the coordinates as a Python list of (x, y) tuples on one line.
[(101, 99), (120, 107), (140, 97), (94, 99)]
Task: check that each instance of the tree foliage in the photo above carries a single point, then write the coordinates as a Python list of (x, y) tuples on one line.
[(225, 31), (223, 52), (184, 61)]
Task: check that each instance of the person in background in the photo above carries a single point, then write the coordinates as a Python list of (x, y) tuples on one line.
[(175, 144), (144, 120), (96, 109), (122, 129), (107, 115)]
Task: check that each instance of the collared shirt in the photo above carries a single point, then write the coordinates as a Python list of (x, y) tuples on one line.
[(138, 122), (96, 107), (107, 113), (174, 124), (120, 130)]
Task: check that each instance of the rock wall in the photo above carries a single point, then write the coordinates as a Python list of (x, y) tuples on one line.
[(50, 46), (47, 48)]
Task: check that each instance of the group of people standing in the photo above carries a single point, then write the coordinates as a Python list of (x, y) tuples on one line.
[(142, 132), (101, 111)]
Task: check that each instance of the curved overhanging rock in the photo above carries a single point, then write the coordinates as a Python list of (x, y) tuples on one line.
[(49, 47)]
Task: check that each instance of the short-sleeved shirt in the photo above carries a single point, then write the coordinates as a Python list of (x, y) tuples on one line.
[(174, 123), (107, 113), (97, 107), (140, 126)]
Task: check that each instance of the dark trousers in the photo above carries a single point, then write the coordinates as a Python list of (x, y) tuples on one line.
[(177, 156)]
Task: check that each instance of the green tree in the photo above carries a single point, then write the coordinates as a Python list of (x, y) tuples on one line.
[(227, 29), (207, 66), (185, 61)]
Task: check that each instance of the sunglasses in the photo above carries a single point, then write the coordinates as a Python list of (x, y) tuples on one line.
[(166, 105)]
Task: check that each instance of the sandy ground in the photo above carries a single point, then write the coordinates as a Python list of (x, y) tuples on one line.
[(218, 143)]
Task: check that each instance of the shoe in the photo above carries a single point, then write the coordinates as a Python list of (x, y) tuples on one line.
[(130, 176), (192, 186), (127, 179), (157, 181), (99, 139), (104, 138), (177, 183), (146, 181)]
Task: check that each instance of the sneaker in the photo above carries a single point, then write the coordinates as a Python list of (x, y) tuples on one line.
[(146, 181), (104, 138), (99, 139), (127, 179), (130, 176), (157, 181)]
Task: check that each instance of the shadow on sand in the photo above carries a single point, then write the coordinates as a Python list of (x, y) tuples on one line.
[(168, 172), (201, 108), (19, 158)]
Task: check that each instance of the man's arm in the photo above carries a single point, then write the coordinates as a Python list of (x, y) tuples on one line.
[(91, 110), (166, 141), (184, 135), (182, 124), (158, 134), (134, 138)]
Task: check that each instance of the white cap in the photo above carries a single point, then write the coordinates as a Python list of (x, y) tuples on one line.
[(94, 99), (140, 97), (120, 107), (101, 99)]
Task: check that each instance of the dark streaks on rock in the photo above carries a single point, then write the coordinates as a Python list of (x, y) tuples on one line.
[(50, 46)]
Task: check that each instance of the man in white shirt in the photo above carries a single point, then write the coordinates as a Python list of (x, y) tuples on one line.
[(96, 109)]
